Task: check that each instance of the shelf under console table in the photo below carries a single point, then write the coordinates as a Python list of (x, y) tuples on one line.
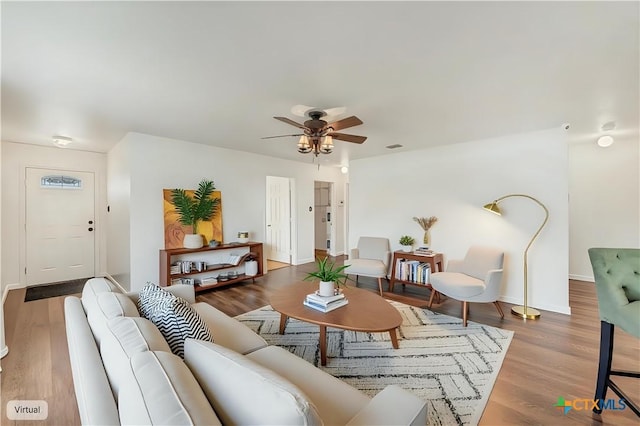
[(435, 262)]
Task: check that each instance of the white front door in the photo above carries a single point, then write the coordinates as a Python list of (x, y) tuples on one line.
[(278, 241), (60, 225)]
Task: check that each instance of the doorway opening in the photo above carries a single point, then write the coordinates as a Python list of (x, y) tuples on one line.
[(278, 222), (324, 230)]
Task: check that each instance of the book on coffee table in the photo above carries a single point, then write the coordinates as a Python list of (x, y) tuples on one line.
[(324, 300), (322, 308)]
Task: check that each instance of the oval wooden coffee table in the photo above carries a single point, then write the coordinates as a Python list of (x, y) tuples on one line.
[(366, 311)]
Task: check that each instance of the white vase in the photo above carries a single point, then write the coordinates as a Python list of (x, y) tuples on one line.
[(407, 249), (192, 241), (251, 268), (327, 288)]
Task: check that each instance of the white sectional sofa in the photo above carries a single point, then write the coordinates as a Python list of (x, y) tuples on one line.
[(124, 373)]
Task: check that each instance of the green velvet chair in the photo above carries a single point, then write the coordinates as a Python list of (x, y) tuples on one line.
[(617, 276)]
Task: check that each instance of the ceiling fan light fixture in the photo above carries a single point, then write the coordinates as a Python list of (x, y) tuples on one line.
[(317, 137), (327, 145), (303, 145)]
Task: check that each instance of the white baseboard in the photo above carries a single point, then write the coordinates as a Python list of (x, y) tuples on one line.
[(303, 261), (9, 287), (581, 278)]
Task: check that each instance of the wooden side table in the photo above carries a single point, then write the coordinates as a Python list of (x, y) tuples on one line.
[(435, 261)]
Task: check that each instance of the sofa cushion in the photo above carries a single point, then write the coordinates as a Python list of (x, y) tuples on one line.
[(108, 306), (162, 390), (174, 317), (243, 392), (95, 400), (457, 285), (92, 288), (227, 331), (336, 401), (125, 337)]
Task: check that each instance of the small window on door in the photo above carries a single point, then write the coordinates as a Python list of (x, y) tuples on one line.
[(60, 182)]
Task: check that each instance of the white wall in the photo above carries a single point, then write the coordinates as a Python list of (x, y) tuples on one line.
[(15, 159), (156, 163), (118, 222), (3, 347), (604, 203), (453, 183)]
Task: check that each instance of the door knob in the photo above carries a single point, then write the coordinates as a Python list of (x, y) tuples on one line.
[(90, 229)]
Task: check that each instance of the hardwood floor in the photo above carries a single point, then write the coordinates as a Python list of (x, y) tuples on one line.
[(553, 357)]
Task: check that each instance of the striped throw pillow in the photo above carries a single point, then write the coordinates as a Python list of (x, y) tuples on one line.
[(174, 317)]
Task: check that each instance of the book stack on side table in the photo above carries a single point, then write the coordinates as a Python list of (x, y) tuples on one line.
[(424, 251), (325, 303)]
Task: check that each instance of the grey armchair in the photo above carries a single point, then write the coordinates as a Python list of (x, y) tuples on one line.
[(476, 278), (370, 259), (617, 276)]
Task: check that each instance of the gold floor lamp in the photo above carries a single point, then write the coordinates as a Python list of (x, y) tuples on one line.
[(522, 311)]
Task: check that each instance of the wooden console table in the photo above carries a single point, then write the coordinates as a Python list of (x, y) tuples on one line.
[(435, 261), (215, 259)]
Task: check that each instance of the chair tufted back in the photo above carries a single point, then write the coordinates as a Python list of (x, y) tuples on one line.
[(617, 276)]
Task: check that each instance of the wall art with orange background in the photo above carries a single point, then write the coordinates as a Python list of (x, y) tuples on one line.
[(174, 231)]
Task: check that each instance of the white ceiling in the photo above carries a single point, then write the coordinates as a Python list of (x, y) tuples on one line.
[(417, 73)]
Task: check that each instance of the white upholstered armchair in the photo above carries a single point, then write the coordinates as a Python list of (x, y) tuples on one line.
[(370, 259), (476, 278)]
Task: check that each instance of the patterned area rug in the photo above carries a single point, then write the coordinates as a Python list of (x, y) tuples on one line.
[(453, 367)]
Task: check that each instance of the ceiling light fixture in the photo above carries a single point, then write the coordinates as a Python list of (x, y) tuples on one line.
[(605, 141), (62, 141), (315, 144), (344, 170), (318, 135)]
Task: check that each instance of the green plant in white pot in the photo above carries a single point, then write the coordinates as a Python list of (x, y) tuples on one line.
[(329, 275), (407, 243), (191, 210)]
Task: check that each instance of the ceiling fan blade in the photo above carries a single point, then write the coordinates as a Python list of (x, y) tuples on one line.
[(293, 123), (348, 138), (281, 136), (345, 123)]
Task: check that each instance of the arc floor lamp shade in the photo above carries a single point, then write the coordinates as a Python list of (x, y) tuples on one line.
[(523, 311)]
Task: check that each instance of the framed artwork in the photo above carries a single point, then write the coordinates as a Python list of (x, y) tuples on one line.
[(174, 231)]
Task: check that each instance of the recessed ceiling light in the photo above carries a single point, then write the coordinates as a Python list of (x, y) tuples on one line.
[(62, 141), (605, 141), (344, 170)]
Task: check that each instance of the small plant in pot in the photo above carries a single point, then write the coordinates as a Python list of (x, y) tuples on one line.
[(329, 275), (407, 242), (191, 210)]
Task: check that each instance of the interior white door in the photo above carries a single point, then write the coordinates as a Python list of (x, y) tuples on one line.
[(278, 241), (60, 225)]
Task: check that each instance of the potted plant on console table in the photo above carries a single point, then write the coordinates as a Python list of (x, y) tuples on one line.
[(407, 242), (329, 275), (191, 210)]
